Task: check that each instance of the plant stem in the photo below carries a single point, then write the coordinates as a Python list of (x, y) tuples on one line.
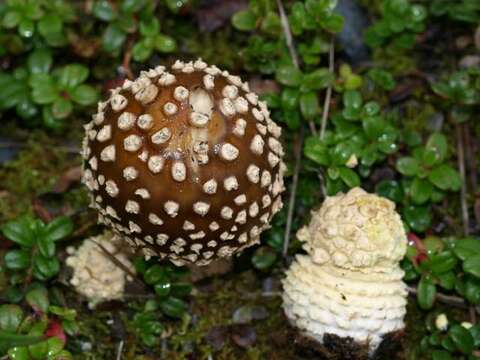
[(446, 299), (328, 95), (291, 48), (461, 170), (293, 191)]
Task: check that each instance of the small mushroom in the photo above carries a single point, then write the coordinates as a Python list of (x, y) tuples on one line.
[(95, 275), (349, 285), (185, 163)]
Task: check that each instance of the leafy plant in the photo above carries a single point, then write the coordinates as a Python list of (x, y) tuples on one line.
[(451, 264), (362, 136), (36, 88), (37, 335), (42, 18), (400, 22), (35, 253)]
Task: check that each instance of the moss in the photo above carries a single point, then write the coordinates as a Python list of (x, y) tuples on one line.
[(34, 171)]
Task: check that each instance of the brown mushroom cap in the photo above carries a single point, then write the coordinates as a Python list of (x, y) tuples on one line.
[(185, 164)]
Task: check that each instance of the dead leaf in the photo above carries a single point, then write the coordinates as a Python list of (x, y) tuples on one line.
[(68, 178), (244, 335)]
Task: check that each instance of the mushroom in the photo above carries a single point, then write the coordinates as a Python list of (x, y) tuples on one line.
[(185, 163), (349, 285), (95, 275)]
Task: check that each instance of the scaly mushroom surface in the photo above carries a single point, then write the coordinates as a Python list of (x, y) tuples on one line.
[(185, 163), (95, 275), (350, 282)]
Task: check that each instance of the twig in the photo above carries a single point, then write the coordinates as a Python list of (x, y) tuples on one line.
[(463, 199), (328, 95), (127, 56), (120, 350), (293, 191), (288, 34), (291, 48), (118, 263), (446, 299), (471, 159), (461, 169)]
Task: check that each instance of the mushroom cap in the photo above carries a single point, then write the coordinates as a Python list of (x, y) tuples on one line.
[(185, 164), (356, 230)]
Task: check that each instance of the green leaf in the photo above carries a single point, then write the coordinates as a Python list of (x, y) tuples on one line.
[(316, 80), (162, 286), (19, 231), (290, 98), (373, 126), (441, 355), (447, 280), (59, 228), (26, 28), (437, 143), (55, 345), (464, 248), (472, 265), (443, 262), (17, 259), (165, 44), (103, 10), (418, 218), (244, 20), (315, 150), (382, 78), (50, 24), (113, 38), (141, 51), (131, 6), (408, 166), (352, 99), (11, 317), (309, 105), (173, 307), (390, 189), (445, 178), (46, 247), (420, 191), (289, 75), (263, 258), (13, 91), (45, 268), (18, 340), (11, 19), (149, 27), (349, 176), (426, 293), (18, 353), (40, 61), (462, 338), (154, 274), (64, 313), (61, 108), (84, 95), (72, 75), (44, 89), (38, 299)]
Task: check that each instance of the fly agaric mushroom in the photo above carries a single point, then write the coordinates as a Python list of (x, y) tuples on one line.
[(349, 285), (185, 164), (95, 275)]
